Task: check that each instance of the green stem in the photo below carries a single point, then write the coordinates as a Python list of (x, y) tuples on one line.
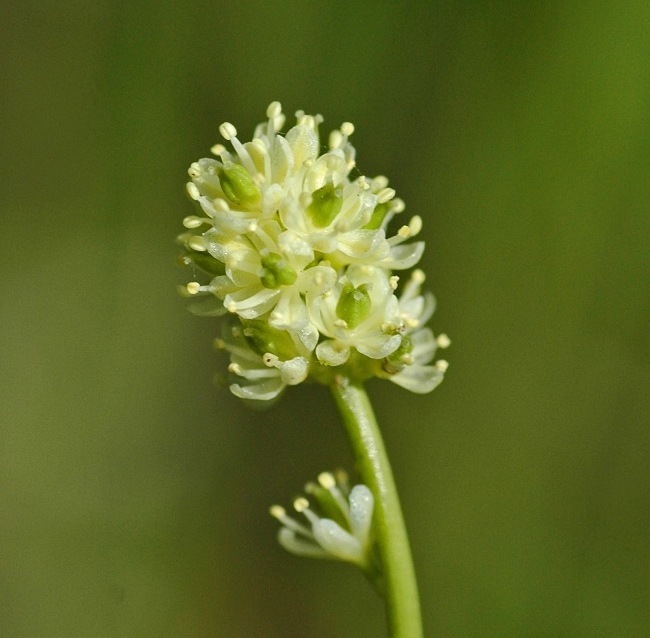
[(402, 600)]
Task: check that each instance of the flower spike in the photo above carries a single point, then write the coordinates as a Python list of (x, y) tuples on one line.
[(287, 237)]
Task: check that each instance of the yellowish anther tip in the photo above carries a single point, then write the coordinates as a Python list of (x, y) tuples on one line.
[(393, 282), (219, 344), (347, 128), (385, 195), (415, 224), (301, 504), (197, 243), (418, 276), (442, 365), (277, 511), (273, 110), (193, 287), (398, 205), (326, 480), (217, 149), (404, 231), (227, 131), (443, 341), (192, 222)]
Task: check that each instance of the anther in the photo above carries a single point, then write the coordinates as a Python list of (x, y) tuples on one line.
[(300, 504), (197, 243), (398, 206), (193, 287), (418, 276), (404, 232), (385, 195), (193, 190), (192, 222), (227, 131), (443, 341), (415, 224), (273, 110), (326, 480), (218, 149), (277, 511), (393, 282), (347, 128)]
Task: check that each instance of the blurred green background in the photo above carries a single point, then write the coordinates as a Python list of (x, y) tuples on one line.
[(133, 492)]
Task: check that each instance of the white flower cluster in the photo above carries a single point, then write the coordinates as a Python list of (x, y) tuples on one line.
[(337, 525), (298, 251)]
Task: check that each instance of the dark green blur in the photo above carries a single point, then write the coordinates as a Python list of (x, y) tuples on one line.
[(134, 490)]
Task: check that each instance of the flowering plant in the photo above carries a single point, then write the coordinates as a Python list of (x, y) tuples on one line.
[(297, 254)]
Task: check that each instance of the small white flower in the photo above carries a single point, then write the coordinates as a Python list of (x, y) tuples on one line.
[(409, 366), (261, 377), (360, 312), (344, 533)]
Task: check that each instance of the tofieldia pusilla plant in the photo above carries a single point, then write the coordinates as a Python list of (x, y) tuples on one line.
[(299, 262)]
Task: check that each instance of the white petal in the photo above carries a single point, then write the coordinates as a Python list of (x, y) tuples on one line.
[(334, 539), (377, 345), (361, 507), (294, 371), (404, 256), (424, 345), (363, 244), (304, 144), (300, 546), (281, 159), (332, 353), (259, 392), (418, 379)]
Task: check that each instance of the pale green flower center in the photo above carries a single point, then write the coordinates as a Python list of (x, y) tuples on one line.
[(354, 304), (325, 205)]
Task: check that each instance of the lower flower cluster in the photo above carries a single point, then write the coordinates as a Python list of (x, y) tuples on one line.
[(337, 522), (297, 252)]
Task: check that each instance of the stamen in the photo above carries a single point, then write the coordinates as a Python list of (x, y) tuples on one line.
[(442, 365), (228, 131), (347, 128), (398, 206), (193, 191), (193, 222), (328, 482), (197, 243), (393, 282), (418, 276), (379, 183), (415, 225), (385, 195), (218, 149), (273, 110), (443, 341), (193, 287)]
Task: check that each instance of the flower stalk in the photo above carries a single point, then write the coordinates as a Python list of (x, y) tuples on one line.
[(400, 585)]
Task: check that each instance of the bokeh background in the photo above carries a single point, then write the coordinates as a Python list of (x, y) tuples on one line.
[(134, 491)]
